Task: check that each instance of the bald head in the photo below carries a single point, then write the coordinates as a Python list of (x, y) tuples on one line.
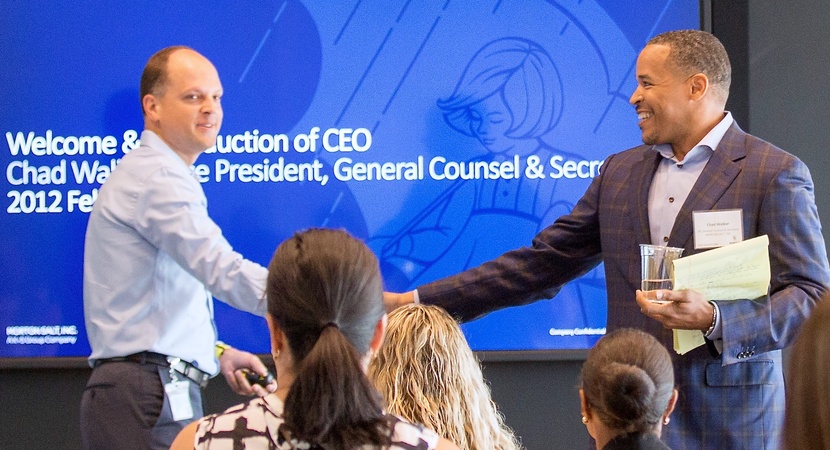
[(181, 100), (155, 76)]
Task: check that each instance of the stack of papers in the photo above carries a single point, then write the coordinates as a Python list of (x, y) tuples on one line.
[(734, 271)]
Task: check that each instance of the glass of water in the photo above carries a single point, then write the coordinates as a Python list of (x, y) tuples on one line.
[(657, 268)]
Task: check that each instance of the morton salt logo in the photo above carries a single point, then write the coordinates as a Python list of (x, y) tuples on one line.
[(39, 335)]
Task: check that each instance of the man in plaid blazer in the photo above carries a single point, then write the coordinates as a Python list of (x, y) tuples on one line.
[(695, 159)]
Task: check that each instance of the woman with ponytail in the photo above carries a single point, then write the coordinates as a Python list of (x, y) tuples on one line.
[(326, 318), (627, 391)]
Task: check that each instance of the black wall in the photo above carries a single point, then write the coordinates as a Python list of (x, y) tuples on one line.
[(538, 398), (789, 62), (780, 53)]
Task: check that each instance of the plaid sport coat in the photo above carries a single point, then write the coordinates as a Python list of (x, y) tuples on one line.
[(731, 401)]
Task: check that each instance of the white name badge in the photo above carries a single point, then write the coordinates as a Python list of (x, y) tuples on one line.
[(717, 228), (178, 395)]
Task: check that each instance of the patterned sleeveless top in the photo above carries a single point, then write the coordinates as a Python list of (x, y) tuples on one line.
[(258, 424)]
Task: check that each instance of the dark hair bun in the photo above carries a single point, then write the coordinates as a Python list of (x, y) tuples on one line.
[(629, 394)]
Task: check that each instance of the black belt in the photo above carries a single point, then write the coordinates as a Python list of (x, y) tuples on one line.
[(185, 368)]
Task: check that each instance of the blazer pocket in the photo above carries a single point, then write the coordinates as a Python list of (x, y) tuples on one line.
[(747, 373)]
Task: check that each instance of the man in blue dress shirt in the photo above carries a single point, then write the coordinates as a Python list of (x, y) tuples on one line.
[(153, 260)]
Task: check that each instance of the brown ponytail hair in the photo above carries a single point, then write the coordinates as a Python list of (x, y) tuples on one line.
[(325, 293)]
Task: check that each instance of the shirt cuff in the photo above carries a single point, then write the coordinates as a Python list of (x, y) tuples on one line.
[(416, 299)]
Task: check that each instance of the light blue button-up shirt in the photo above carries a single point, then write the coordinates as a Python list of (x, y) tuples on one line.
[(674, 179), (673, 182), (152, 258)]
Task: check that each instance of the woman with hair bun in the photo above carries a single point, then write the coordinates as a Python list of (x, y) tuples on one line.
[(627, 391), (326, 317)]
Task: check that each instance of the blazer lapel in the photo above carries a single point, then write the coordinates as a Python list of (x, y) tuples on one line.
[(717, 176), (644, 171)]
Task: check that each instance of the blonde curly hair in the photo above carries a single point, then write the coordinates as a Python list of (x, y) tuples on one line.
[(428, 374)]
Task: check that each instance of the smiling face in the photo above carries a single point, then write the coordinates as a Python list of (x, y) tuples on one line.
[(663, 100), (186, 112)]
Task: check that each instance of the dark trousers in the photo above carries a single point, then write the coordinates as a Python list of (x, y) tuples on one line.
[(124, 407)]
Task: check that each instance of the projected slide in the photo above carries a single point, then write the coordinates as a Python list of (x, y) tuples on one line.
[(442, 133)]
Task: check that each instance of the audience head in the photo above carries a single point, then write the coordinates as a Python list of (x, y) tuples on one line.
[(627, 386), (808, 383), (326, 313), (428, 374)]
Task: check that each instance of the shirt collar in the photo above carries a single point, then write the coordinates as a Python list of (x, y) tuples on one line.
[(711, 140), (154, 141)]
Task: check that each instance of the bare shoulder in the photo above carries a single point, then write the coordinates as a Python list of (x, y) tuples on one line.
[(444, 444)]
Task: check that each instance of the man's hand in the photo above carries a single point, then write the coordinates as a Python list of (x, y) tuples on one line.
[(678, 310), (393, 300), (231, 364)]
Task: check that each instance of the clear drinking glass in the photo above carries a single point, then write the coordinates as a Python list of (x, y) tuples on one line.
[(657, 268)]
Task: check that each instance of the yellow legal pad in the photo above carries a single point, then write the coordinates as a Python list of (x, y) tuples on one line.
[(734, 271)]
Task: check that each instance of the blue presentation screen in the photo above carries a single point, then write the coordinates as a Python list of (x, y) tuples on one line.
[(442, 133)]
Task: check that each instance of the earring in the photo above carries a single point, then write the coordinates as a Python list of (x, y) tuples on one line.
[(584, 420), (666, 420)]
